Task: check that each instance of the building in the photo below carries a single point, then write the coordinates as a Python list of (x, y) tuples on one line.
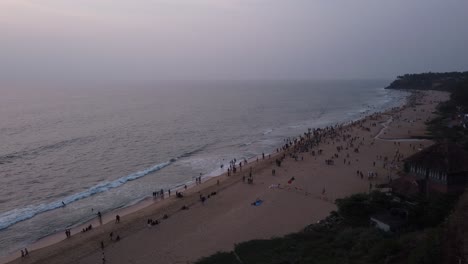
[(442, 167)]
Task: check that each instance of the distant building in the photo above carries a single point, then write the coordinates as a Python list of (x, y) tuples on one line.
[(441, 167)]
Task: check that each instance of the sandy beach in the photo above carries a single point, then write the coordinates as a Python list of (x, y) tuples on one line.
[(228, 217)]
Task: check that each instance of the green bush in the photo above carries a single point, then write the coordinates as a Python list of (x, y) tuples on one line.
[(429, 251), (357, 208)]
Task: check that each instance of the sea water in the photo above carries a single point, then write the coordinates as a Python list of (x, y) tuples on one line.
[(99, 147)]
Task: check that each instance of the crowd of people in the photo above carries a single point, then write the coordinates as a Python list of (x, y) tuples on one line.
[(347, 148)]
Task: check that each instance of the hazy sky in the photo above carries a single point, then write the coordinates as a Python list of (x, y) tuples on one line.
[(230, 39)]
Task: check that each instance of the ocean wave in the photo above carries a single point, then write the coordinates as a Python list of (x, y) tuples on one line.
[(268, 131), (190, 153), (12, 217), (246, 144), (32, 153)]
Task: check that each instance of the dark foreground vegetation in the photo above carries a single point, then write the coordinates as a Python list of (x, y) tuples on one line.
[(430, 233), (347, 236), (452, 121)]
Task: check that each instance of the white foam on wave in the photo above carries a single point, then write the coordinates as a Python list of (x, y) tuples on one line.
[(246, 144), (12, 217), (268, 131)]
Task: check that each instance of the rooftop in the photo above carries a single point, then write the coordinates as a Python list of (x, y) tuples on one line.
[(448, 157)]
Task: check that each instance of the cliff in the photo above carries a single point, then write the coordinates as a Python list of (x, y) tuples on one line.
[(445, 81)]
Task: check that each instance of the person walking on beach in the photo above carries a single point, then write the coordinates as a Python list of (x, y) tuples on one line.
[(26, 253), (22, 253), (324, 193), (117, 219), (100, 216)]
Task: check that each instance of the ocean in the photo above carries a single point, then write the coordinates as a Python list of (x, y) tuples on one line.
[(104, 147)]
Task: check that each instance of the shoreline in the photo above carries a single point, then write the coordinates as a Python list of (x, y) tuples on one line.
[(136, 207), (150, 204)]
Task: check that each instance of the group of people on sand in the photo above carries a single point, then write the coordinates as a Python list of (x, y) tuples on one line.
[(88, 228), (342, 136), (24, 252), (198, 180), (249, 179), (233, 165), (159, 194), (203, 198), (111, 236), (152, 222)]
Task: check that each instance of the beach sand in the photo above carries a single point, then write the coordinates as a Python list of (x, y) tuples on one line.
[(228, 217)]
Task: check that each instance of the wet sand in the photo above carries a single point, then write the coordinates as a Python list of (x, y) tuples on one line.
[(228, 217)]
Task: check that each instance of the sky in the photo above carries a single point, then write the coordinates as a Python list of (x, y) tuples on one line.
[(44, 40)]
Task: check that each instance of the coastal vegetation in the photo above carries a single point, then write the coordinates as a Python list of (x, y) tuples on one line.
[(452, 121), (445, 81), (347, 236)]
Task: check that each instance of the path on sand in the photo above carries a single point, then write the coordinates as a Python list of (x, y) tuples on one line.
[(385, 126)]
